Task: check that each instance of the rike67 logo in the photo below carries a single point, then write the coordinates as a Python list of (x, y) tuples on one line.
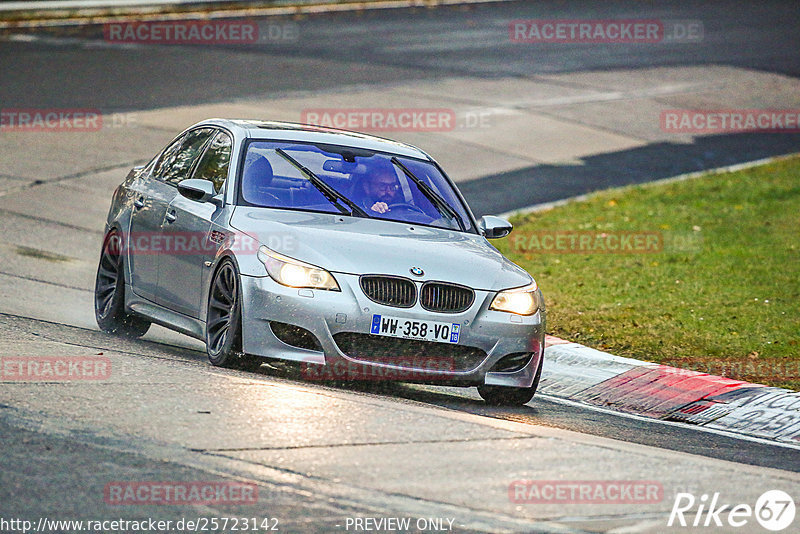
[(774, 510)]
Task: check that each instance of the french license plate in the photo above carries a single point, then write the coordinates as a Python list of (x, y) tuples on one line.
[(383, 325)]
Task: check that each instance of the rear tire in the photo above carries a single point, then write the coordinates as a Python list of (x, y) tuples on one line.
[(224, 322), (508, 396), (109, 293)]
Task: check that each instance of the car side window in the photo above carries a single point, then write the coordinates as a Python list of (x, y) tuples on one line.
[(214, 165), (167, 157), (178, 165)]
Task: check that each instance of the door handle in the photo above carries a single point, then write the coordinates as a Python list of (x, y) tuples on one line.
[(170, 217), (138, 203)]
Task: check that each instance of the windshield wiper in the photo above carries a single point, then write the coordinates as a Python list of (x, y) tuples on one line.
[(438, 202), (327, 191)]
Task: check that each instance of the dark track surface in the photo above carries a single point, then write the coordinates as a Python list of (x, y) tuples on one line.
[(387, 46)]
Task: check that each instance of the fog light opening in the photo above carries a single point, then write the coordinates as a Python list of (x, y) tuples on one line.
[(295, 336)]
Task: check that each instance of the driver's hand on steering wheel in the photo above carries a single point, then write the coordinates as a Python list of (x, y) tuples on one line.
[(380, 207)]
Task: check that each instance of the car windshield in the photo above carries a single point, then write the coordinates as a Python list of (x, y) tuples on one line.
[(351, 181)]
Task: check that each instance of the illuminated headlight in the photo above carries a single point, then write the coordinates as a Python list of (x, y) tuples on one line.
[(522, 301), (294, 273)]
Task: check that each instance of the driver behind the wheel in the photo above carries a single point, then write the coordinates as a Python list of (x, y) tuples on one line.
[(381, 190)]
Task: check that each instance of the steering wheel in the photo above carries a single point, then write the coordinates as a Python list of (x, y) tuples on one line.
[(407, 206)]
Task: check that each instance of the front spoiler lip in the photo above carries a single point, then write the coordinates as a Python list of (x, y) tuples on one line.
[(264, 300), (475, 377)]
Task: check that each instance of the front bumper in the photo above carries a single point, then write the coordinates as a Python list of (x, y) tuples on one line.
[(494, 335)]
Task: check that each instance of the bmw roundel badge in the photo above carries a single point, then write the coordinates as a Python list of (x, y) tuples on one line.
[(416, 271)]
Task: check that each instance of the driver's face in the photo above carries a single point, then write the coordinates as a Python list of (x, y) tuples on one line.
[(383, 187)]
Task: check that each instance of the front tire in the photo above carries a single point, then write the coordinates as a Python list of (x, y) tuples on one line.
[(507, 396), (109, 293), (224, 322)]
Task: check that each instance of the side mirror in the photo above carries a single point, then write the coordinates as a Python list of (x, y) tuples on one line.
[(198, 190), (494, 227)]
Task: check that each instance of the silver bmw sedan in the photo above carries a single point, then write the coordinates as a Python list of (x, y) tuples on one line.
[(354, 256)]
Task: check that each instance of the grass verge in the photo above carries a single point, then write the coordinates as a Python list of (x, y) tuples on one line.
[(709, 279)]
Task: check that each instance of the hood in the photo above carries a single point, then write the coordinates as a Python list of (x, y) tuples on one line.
[(355, 245)]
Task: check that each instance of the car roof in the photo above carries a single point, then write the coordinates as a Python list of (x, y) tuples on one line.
[(292, 131)]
